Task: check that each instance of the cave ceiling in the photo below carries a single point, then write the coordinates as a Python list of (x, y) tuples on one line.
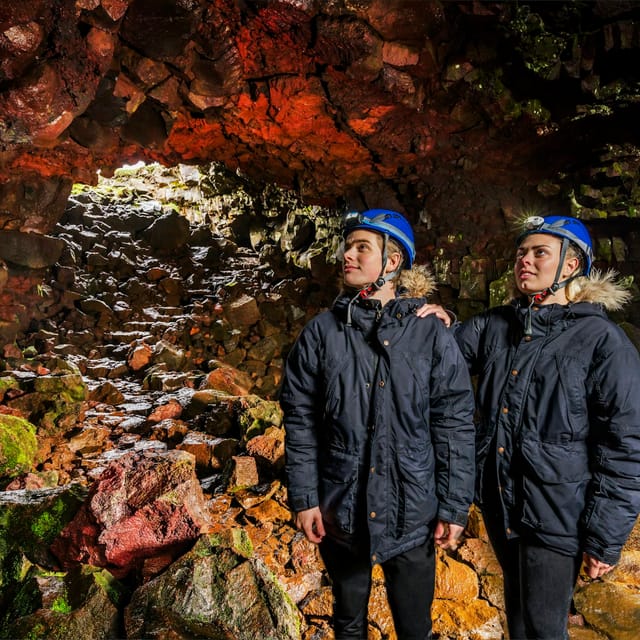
[(365, 102)]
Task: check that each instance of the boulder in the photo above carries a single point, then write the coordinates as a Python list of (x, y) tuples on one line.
[(219, 589), (142, 506)]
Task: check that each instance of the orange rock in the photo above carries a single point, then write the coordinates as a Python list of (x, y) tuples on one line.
[(455, 580)]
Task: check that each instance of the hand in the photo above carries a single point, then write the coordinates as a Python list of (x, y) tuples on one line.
[(310, 522), (594, 567), (434, 309), (447, 534)]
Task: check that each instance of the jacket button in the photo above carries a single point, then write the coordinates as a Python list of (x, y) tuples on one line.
[(500, 450), (527, 338), (386, 343), (505, 410), (508, 531), (372, 470), (381, 383), (372, 514), (514, 372), (374, 557)]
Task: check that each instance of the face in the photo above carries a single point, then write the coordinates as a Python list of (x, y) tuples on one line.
[(362, 258), (537, 260)]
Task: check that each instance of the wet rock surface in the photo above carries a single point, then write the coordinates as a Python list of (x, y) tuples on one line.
[(152, 503)]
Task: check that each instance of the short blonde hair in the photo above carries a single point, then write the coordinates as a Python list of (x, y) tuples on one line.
[(574, 286), (393, 246)]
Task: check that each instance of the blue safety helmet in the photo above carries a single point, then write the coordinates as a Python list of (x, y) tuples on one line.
[(565, 228), (386, 222)]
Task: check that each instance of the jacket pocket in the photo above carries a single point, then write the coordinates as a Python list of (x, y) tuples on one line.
[(417, 503), (555, 477), (484, 438), (339, 490), (572, 395)]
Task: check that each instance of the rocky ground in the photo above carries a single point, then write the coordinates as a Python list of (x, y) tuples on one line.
[(146, 496)]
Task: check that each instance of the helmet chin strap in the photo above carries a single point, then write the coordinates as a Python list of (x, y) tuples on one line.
[(537, 297)]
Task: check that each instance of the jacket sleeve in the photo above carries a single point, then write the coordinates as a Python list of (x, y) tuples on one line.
[(453, 434), (300, 399), (613, 501), (468, 335)]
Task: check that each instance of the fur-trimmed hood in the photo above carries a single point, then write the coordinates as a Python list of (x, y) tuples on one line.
[(599, 287), (602, 288), (417, 282)]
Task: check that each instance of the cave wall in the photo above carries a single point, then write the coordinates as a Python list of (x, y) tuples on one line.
[(463, 115)]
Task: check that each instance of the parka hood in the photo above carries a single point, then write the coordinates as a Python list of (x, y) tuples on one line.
[(602, 288), (599, 287), (417, 282)]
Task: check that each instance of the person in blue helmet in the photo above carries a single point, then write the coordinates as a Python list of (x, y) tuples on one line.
[(558, 426), (379, 437)]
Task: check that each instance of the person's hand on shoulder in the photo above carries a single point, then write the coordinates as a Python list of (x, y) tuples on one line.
[(310, 523), (434, 309)]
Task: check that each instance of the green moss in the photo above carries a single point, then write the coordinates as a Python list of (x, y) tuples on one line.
[(114, 590), (61, 605), (37, 632), (49, 523), (18, 445), (27, 600), (7, 383), (235, 539), (541, 50), (501, 290)]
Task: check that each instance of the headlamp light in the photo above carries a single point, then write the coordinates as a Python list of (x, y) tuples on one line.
[(533, 222), (351, 219)]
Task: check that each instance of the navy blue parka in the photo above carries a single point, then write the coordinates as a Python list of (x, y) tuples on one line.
[(559, 420), (379, 425)]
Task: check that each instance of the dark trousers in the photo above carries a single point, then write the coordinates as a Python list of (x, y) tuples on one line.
[(538, 584), (409, 580)]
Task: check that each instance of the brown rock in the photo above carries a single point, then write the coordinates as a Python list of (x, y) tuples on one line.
[(480, 555), (466, 621), (242, 312), (229, 380), (256, 494), (140, 356), (244, 473), (455, 580), (268, 449), (319, 603), (611, 608), (269, 511), (170, 410), (209, 452)]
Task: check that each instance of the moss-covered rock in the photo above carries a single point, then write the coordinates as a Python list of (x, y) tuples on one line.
[(217, 590), (18, 445), (52, 402), (29, 522), (50, 605), (256, 415)]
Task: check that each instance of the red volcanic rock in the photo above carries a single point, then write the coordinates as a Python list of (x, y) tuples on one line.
[(141, 507)]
